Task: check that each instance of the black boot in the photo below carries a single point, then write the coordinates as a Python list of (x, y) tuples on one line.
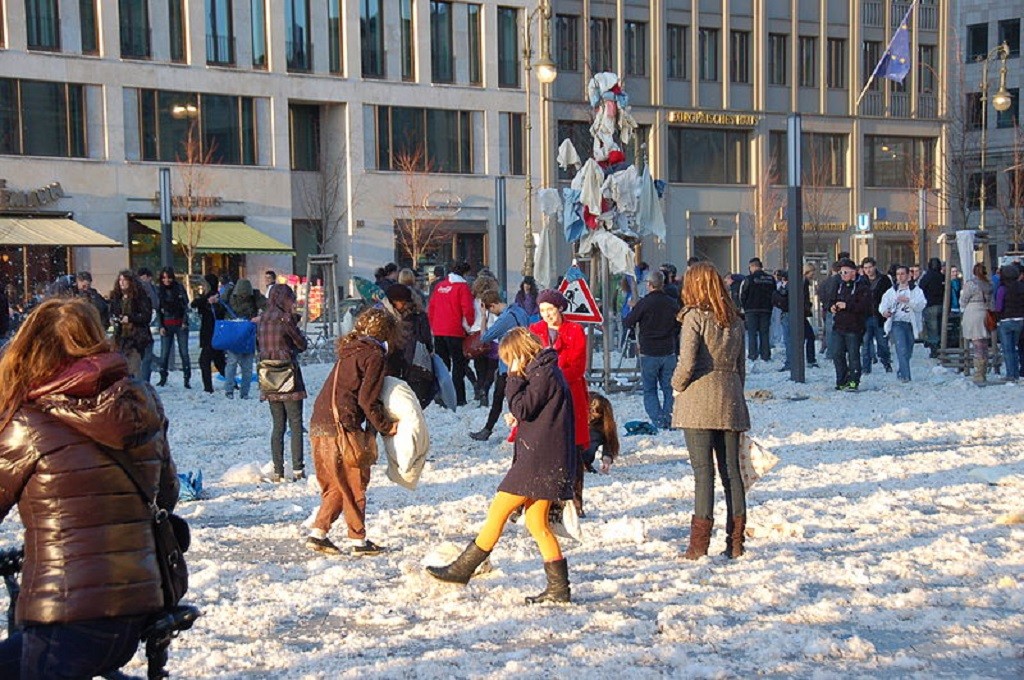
[(163, 380), (558, 583), (187, 385), (463, 567)]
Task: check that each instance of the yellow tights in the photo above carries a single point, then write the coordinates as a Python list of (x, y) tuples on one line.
[(503, 505)]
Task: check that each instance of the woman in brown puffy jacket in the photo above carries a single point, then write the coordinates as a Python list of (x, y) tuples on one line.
[(90, 578)]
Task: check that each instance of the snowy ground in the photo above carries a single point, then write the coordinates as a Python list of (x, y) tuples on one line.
[(876, 550)]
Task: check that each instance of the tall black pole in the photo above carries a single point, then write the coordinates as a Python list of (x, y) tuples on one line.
[(166, 247), (795, 247), (500, 251)]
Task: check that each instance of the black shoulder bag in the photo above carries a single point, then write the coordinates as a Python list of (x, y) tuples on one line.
[(171, 534)]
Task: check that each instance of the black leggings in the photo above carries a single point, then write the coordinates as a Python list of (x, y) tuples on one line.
[(497, 402)]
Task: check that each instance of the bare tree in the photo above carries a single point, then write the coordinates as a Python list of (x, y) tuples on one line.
[(821, 200), (418, 229), (1011, 201), (767, 203), (323, 198), (193, 204)]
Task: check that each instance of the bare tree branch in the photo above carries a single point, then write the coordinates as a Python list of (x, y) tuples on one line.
[(322, 197), (1011, 201), (193, 204), (417, 229), (767, 202)]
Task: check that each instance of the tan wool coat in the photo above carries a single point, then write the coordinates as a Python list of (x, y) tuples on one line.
[(709, 376)]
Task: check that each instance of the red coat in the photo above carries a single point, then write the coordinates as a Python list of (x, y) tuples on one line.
[(450, 304), (571, 346)]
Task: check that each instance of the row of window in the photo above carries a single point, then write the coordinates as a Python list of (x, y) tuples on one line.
[(975, 111), (1007, 31), (48, 119), (43, 21), (568, 48)]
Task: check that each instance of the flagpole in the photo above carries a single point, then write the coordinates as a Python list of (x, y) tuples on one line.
[(884, 54)]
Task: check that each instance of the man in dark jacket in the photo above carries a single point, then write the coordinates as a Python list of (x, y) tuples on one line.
[(658, 337), (172, 319), (874, 325), (933, 285), (84, 289), (826, 291), (756, 299), (850, 305)]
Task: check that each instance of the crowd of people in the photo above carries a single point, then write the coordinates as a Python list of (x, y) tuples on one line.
[(697, 340)]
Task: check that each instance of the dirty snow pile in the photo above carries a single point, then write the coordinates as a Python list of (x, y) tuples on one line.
[(887, 543)]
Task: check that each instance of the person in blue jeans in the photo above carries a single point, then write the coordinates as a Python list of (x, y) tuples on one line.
[(658, 337), (849, 306), (172, 319), (1009, 307), (756, 293), (874, 324), (901, 307)]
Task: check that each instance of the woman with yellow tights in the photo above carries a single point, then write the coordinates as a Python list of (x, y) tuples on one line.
[(543, 464)]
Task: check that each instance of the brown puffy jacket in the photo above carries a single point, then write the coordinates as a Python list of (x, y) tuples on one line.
[(89, 548), (360, 369)]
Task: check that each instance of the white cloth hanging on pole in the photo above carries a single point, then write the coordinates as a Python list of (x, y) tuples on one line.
[(648, 215), (965, 247), (543, 266), (619, 255), (567, 155)]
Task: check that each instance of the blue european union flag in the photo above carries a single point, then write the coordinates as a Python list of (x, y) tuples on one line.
[(895, 63)]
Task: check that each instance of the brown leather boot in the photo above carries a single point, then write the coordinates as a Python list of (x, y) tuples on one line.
[(734, 529), (700, 537)]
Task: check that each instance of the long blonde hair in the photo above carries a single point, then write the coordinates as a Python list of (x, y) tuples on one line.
[(519, 343), (703, 288), (54, 335)]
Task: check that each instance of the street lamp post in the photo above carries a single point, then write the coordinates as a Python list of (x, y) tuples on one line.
[(546, 74), (1001, 101)]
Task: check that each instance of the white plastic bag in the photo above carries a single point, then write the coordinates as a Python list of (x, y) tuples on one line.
[(755, 461)]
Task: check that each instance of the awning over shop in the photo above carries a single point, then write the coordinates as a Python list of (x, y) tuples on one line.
[(225, 236), (50, 231)]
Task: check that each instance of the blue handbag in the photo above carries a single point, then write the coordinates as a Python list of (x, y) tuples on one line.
[(234, 335)]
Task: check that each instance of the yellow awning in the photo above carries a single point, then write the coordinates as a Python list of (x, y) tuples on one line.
[(225, 236), (50, 231)]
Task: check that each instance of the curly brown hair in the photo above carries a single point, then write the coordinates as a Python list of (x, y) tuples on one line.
[(374, 322)]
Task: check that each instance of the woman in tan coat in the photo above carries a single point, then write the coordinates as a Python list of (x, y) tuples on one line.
[(709, 403), (976, 301)]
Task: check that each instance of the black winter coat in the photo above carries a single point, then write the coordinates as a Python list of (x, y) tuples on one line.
[(659, 331), (878, 288), (933, 284), (857, 297), (544, 461), (208, 315), (173, 304)]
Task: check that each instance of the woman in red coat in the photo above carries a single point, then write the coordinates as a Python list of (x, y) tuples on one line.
[(569, 342)]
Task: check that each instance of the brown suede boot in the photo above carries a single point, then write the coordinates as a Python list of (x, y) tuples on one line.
[(700, 537), (734, 529)]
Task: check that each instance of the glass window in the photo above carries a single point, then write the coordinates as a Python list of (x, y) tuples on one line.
[(1011, 116), (709, 55), (708, 156), (974, 186), (808, 61), (972, 111), (226, 126), (304, 124), (371, 37), (636, 48), (335, 39), (87, 21), (823, 158), (835, 68), (508, 47), (899, 161), (778, 53), (220, 41), (926, 73), (442, 57), (567, 42), (475, 69), (134, 24), (516, 144), (176, 31), (977, 41), (739, 57), (871, 52), (408, 30), (678, 55), (297, 47), (1009, 33), (602, 32), (42, 118), (42, 19), (428, 140)]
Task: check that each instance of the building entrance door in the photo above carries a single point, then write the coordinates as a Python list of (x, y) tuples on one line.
[(890, 252)]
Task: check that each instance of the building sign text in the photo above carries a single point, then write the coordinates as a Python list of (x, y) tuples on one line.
[(705, 118)]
